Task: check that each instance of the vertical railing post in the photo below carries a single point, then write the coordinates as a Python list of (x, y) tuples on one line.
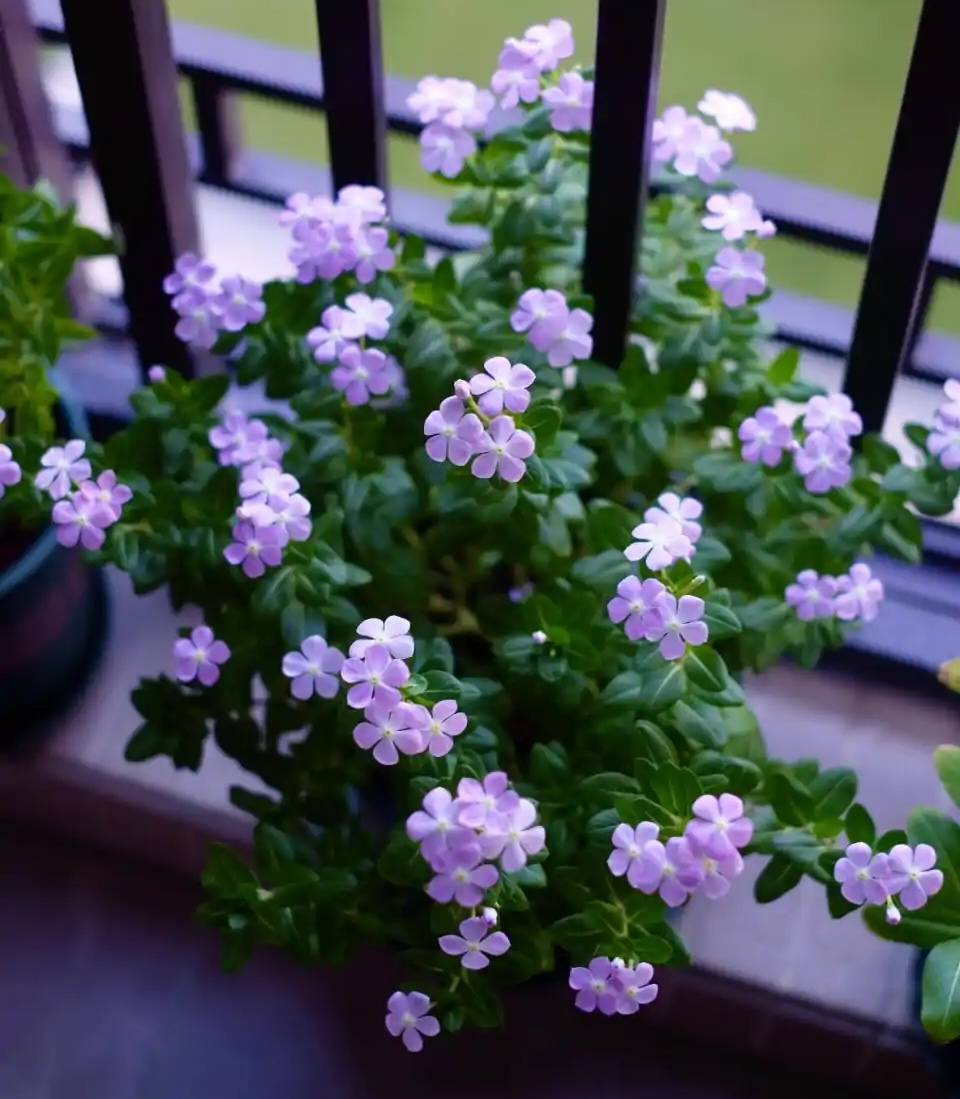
[(923, 145), (218, 125), (128, 80), (629, 35), (30, 150), (352, 64)]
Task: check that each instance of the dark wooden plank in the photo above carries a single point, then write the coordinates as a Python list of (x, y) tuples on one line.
[(352, 63), (218, 124), (128, 81), (923, 145), (29, 149), (629, 36)]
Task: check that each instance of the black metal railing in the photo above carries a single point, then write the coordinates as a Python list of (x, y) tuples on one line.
[(134, 135)]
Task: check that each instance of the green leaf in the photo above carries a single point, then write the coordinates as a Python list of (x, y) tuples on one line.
[(859, 826), (790, 799), (832, 792), (605, 786), (947, 761), (741, 774), (706, 669), (697, 727), (779, 876), (721, 621), (784, 367), (662, 686), (940, 1007)]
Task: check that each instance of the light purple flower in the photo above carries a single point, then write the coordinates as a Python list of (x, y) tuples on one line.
[(445, 149), (737, 275), (199, 324), (255, 548), (859, 594), (361, 373), (635, 987), (502, 449), (393, 633), (477, 801), (80, 519), (733, 215), (373, 255), (635, 605), (547, 43), (573, 341), (570, 102), (683, 509), (461, 875), (302, 209), (265, 480), (453, 435), (323, 249), (339, 329), (833, 415), (513, 835), (63, 466), (502, 386), (198, 656), (458, 104), (157, 374), (659, 544), (677, 625), (542, 313), (596, 986), (474, 943), (240, 302), (384, 729), (375, 677), (372, 315), (517, 80), (190, 278), (629, 844), (520, 593), (719, 825), (730, 111), (436, 826), (911, 876), (230, 436), (10, 471), (407, 1018), (701, 151), (258, 449), (716, 873), (313, 670), (287, 513), (811, 595), (765, 437), (437, 729), (671, 869), (106, 490), (949, 411), (668, 132), (823, 461), (860, 874), (944, 443), (369, 202)]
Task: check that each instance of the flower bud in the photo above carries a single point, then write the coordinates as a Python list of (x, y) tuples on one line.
[(893, 914), (489, 916), (156, 374), (538, 637), (461, 389)]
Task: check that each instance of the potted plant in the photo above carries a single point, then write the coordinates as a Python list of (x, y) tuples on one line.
[(51, 602), (475, 607)]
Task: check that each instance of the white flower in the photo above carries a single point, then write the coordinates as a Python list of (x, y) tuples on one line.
[(730, 111), (733, 215)]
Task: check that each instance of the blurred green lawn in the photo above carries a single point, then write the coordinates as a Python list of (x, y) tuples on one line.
[(825, 77)]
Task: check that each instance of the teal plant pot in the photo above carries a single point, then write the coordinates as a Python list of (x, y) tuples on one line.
[(53, 615)]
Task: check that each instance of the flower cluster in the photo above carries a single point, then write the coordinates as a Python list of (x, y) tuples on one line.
[(522, 60), (452, 111), (689, 145), (485, 433), (199, 656), (461, 836), (272, 512), (613, 986), (855, 596), (84, 508), (10, 471), (823, 457), (904, 872), (552, 327), (704, 859), (377, 674), (734, 215), (207, 307), (943, 441), (332, 237), (362, 373)]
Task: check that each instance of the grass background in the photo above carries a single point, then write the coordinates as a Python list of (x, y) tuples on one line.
[(825, 77)]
